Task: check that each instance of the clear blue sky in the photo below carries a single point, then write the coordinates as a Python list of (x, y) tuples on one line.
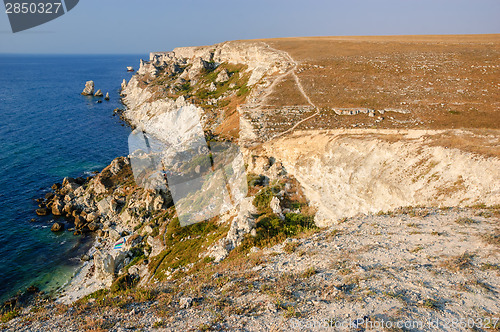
[(141, 26)]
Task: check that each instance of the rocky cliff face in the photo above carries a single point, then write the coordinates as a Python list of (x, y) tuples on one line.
[(347, 172)]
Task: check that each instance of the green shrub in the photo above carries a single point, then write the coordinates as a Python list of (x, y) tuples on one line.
[(244, 90), (202, 94), (290, 247), (263, 198), (255, 180), (7, 316), (465, 220), (272, 230), (185, 88)]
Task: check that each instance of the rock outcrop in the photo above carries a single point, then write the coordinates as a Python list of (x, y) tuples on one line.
[(57, 227), (98, 93), (89, 89), (187, 64), (223, 76)]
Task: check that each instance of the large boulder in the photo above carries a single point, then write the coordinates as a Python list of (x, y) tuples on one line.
[(93, 226), (276, 207), (57, 227), (107, 264), (80, 221), (125, 216), (113, 234), (93, 217), (242, 224), (104, 265), (69, 208), (57, 208), (158, 203), (156, 245), (98, 93), (198, 65), (118, 164), (89, 89), (104, 205), (68, 185), (42, 211), (99, 186), (223, 76)]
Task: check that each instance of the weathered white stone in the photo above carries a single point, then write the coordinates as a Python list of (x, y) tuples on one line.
[(185, 302), (158, 203), (242, 224), (113, 234), (93, 216), (104, 265), (103, 205), (148, 229), (125, 216), (89, 88), (118, 164), (223, 76), (156, 244), (276, 207)]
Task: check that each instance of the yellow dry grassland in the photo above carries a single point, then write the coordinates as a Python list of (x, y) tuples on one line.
[(442, 81)]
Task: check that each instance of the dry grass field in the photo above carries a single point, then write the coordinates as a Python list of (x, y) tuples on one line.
[(443, 81)]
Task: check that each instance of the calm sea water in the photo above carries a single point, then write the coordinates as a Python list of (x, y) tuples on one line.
[(49, 131)]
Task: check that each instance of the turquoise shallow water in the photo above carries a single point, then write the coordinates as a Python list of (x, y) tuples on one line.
[(49, 131)]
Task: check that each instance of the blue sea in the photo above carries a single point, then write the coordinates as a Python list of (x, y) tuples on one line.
[(49, 131)]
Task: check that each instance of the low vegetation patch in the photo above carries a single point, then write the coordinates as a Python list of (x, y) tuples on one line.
[(465, 221), (184, 245), (7, 316), (458, 263), (290, 247), (492, 238), (309, 272), (430, 304)]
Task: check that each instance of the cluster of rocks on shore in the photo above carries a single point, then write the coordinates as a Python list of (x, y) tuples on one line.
[(89, 91), (60, 203)]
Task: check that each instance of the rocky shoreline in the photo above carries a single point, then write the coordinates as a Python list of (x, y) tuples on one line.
[(61, 203)]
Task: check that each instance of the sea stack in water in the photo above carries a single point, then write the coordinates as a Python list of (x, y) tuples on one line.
[(130, 68), (107, 96), (89, 88), (98, 93)]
